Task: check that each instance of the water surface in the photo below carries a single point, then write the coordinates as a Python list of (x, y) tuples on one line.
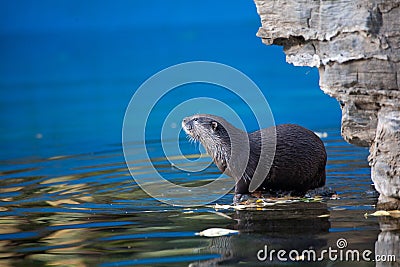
[(86, 210)]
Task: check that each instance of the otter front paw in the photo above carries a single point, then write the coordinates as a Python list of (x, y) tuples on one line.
[(238, 198)]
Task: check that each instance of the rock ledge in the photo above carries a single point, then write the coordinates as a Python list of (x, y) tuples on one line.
[(356, 46)]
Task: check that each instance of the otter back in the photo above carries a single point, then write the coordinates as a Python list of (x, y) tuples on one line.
[(299, 161)]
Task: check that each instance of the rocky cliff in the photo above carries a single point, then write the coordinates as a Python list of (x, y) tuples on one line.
[(355, 44)]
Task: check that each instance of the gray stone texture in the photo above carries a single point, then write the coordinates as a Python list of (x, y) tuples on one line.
[(355, 44)]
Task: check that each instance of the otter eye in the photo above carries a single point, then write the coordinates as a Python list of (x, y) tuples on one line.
[(195, 119), (214, 125)]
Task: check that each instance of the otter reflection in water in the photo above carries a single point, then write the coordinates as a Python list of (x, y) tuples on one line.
[(297, 226), (286, 157)]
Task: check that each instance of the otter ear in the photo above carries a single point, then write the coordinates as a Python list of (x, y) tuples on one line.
[(214, 125)]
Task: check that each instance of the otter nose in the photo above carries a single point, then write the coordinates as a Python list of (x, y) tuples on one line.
[(187, 123)]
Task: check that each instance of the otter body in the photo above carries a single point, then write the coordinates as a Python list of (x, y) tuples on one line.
[(298, 163)]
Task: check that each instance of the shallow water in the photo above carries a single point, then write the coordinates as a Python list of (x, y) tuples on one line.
[(86, 210)]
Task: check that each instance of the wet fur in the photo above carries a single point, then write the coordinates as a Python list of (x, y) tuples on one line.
[(298, 164)]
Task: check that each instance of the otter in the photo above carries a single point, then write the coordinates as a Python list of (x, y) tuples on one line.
[(296, 155)]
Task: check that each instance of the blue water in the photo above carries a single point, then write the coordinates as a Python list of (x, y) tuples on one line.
[(68, 70)]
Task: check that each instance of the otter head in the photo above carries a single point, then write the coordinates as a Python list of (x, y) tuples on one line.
[(208, 129), (221, 140)]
